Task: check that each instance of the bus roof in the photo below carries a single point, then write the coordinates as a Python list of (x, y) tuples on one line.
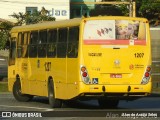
[(66, 23), (47, 25)]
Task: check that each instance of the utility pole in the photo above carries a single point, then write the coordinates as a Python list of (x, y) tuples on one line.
[(132, 8)]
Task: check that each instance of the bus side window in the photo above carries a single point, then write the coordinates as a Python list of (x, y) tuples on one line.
[(33, 44), (19, 45), (52, 45), (25, 45), (72, 51), (42, 43), (62, 43), (12, 52)]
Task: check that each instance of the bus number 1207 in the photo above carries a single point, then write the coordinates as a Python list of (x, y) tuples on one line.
[(139, 55)]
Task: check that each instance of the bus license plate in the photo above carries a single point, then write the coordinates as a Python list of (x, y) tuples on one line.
[(116, 75)]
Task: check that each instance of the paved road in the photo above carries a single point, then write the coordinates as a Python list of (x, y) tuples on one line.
[(40, 104)]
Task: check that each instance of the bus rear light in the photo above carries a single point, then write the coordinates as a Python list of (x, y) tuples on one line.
[(146, 76), (85, 76), (83, 69), (148, 69)]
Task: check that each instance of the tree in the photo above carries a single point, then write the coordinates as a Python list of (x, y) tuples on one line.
[(26, 18), (105, 10), (35, 17), (149, 9), (5, 27)]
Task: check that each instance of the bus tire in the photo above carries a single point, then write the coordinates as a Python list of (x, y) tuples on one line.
[(54, 102), (17, 93), (105, 103)]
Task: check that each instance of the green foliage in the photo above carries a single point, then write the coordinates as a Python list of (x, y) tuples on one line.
[(124, 9), (106, 10), (148, 8), (35, 17), (3, 38), (5, 27)]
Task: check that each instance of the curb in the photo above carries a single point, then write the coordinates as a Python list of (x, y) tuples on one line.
[(5, 93), (156, 94), (3, 82)]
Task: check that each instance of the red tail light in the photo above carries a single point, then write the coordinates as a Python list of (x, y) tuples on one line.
[(147, 74), (84, 74)]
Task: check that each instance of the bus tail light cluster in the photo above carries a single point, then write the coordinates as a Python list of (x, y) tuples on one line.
[(85, 75), (146, 76)]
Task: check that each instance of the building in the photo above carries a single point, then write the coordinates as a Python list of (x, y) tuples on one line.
[(79, 9), (60, 9)]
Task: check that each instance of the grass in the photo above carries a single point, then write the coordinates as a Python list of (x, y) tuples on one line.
[(3, 87)]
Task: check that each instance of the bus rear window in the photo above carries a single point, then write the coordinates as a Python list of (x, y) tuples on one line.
[(115, 32)]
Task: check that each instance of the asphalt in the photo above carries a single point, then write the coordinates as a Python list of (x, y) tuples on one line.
[(153, 94)]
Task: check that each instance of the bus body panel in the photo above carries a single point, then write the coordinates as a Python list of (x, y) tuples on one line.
[(115, 89), (100, 62), (11, 77), (130, 69), (58, 74), (22, 65), (116, 68)]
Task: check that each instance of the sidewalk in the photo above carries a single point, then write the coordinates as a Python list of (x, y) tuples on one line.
[(155, 94), (3, 86)]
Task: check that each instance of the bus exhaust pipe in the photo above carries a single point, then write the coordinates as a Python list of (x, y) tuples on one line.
[(129, 88), (103, 88)]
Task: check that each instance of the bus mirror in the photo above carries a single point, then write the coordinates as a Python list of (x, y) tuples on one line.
[(7, 46)]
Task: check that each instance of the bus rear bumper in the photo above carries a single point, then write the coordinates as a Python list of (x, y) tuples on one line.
[(115, 90)]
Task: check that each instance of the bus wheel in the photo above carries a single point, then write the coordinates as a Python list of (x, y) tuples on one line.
[(55, 103), (17, 93), (103, 103)]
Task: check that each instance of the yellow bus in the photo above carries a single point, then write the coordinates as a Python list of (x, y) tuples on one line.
[(106, 58)]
